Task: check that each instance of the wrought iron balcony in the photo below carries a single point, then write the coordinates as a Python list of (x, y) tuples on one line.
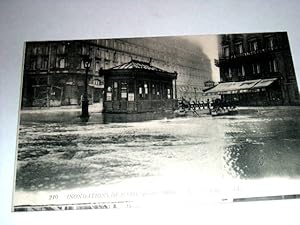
[(258, 52)]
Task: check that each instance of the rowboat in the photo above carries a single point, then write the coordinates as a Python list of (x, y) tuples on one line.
[(180, 112), (224, 112)]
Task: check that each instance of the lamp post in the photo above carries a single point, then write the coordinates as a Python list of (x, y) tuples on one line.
[(85, 101)]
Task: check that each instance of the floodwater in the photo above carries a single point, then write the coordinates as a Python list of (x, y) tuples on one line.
[(59, 152)]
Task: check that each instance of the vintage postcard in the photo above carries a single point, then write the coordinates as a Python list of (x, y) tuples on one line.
[(157, 122)]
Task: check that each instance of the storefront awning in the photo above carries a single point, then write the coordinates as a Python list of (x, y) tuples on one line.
[(240, 87), (265, 83)]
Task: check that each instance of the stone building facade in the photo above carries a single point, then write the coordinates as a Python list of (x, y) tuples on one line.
[(54, 71), (257, 69)]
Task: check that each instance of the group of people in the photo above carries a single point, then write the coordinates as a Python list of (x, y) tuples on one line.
[(191, 104), (208, 104), (223, 104)]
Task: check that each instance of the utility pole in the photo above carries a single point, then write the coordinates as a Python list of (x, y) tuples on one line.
[(85, 101), (48, 76)]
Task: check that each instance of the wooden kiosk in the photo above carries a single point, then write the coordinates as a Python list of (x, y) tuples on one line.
[(137, 87)]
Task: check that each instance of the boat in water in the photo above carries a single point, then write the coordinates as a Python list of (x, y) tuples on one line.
[(180, 112), (191, 112), (224, 111)]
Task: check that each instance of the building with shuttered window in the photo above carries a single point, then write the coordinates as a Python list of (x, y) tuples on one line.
[(54, 71), (256, 69)]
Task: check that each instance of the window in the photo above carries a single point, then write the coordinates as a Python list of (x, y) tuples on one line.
[(153, 89), (253, 45), (241, 71), (124, 90), (39, 50), (108, 94), (239, 48), (34, 50), (106, 56), (45, 64), (256, 68), (157, 89), (226, 51), (143, 89), (229, 73), (32, 64), (115, 84), (83, 50), (61, 49), (115, 91), (115, 57), (273, 66), (168, 93), (146, 88), (270, 43), (131, 90), (61, 63), (39, 62), (82, 64)]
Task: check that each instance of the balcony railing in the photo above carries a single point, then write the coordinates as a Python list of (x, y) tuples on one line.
[(252, 76), (246, 54)]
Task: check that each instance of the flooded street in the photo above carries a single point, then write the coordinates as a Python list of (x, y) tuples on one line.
[(169, 152)]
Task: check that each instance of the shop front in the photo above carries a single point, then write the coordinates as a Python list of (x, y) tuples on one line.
[(250, 92)]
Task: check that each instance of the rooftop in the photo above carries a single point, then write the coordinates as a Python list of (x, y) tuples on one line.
[(135, 64)]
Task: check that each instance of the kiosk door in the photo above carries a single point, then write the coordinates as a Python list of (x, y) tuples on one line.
[(124, 96)]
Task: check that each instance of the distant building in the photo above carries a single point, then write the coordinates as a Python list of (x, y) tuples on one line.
[(256, 69), (136, 87), (54, 71)]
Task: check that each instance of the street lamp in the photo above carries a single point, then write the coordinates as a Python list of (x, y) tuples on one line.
[(85, 101)]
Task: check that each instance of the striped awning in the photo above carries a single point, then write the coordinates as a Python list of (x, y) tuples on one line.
[(265, 83), (240, 87)]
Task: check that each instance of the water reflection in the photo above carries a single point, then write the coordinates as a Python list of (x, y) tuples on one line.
[(265, 145), (95, 118), (61, 155)]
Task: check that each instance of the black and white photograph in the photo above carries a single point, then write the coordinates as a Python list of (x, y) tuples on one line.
[(149, 122)]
